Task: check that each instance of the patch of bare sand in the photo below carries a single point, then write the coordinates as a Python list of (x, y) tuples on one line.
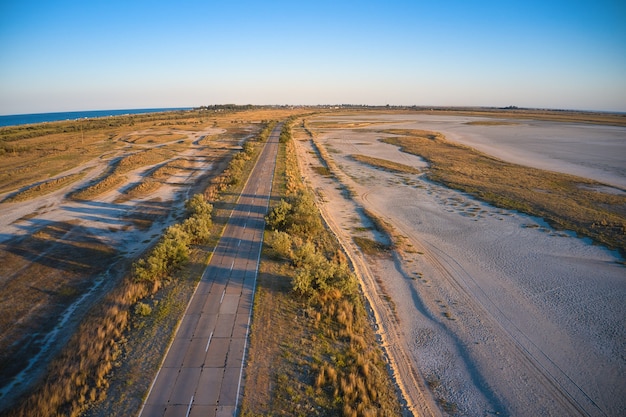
[(500, 313)]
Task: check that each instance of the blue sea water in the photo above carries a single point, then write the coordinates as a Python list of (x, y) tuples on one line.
[(24, 119)]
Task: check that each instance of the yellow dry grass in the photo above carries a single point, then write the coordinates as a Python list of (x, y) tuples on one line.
[(566, 201)]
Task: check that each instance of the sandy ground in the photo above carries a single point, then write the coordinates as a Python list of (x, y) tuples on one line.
[(106, 218), (587, 150), (500, 314)]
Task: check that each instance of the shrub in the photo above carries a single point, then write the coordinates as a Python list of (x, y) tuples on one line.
[(277, 218), (143, 309), (281, 242), (197, 205)]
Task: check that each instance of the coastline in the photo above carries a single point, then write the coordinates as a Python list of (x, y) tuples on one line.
[(33, 118)]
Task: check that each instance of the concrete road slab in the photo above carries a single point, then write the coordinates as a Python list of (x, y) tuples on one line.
[(209, 386), (245, 305), (225, 411), (240, 327), (203, 411), (218, 350), (153, 410), (212, 301), (234, 287), (185, 386), (188, 326), (163, 386), (196, 353), (206, 325), (235, 353), (176, 410), (176, 354), (195, 305), (204, 286), (224, 325), (230, 302), (230, 386)]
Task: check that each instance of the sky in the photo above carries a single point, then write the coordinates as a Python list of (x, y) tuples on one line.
[(64, 55)]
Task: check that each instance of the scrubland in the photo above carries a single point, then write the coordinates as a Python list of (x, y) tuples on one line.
[(70, 290), (106, 226)]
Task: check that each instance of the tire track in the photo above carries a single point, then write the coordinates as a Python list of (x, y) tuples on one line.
[(517, 344)]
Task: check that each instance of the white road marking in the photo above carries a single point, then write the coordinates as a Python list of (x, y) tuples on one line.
[(189, 408), (208, 342)]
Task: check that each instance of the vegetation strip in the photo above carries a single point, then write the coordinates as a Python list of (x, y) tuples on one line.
[(386, 164), (44, 188), (321, 357), (565, 201)]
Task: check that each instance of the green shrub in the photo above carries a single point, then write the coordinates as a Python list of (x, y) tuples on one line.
[(277, 218), (197, 205), (143, 309), (281, 242)]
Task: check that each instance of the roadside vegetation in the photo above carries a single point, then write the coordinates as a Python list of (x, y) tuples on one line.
[(565, 201), (313, 351), (107, 365), (79, 376)]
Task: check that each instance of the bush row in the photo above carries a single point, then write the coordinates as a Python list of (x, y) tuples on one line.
[(79, 376), (175, 245), (346, 375)]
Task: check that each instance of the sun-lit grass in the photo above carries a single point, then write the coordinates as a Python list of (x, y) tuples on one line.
[(311, 352), (386, 164), (45, 187), (566, 201)]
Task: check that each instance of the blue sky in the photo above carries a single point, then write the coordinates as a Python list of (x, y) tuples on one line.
[(87, 55)]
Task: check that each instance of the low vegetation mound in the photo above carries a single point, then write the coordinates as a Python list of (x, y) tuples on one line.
[(567, 202), (44, 188), (386, 164)]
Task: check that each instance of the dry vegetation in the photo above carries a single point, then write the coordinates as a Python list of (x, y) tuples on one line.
[(313, 350), (567, 202), (46, 272), (386, 164), (44, 188)]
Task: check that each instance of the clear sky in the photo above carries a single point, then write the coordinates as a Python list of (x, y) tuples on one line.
[(63, 55)]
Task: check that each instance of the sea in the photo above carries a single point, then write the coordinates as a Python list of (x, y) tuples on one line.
[(25, 119)]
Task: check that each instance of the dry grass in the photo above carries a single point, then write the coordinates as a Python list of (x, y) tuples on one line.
[(155, 138), (311, 357), (386, 164), (44, 188), (54, 266), (565, 201), (371, 247)]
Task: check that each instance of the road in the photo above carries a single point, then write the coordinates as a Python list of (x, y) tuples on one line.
[(203, 369)]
